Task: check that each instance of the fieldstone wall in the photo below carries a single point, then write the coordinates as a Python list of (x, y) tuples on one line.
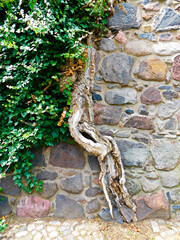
[(137, 101)]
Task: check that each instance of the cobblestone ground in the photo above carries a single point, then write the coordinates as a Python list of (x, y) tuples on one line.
[(84, 229)]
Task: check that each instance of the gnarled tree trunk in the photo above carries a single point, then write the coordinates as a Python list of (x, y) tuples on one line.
[(112, 176)]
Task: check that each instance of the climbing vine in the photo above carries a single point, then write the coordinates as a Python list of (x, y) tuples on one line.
[(38, 39)]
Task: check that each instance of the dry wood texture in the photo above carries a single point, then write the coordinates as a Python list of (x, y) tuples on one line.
[(112, 176)]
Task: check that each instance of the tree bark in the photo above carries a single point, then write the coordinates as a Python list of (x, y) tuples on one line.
[(112, 175)]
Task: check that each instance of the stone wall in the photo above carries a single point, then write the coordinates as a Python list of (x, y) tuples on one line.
[(136, 100), (71, 186), (137, 97)]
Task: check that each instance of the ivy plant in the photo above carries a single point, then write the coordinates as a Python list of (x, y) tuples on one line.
[(37, 38)]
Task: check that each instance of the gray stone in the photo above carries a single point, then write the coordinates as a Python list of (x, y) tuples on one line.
[(87, 181), (72, 184), (170, 179), (98, 77), (38, 159), (149, 36), (166, 48), (122, 20), (140, 137), (151, 175), (166, 110), (123, 134), (143, 110), (104, 114), (149, 185), (134, 131), (138, 48), (94, 163), (49, 189), (165, 153), (67, 155), (8, 186), (170, 124), (139, 122), (176, 207), (152, 206), (107, 45), (165, 37), (117, 68), (167, 20), (170, 94), (151, 96), (93, 191), (175, 195), (106, 132), (112, 86), (105, 203), (106, 216), (67, 208), (152, 6), (5, 208), (129, 111), (46, 175), (161, 125), (131, 173), (127, 213), (92, 206), (133, 154), (97, 88), (149, 168), (132, 186), (121, 96), (170, 136), (124, 117), (96, 97), (165, 87)]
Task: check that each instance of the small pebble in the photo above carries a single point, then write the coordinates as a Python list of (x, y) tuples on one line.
[(39, 222), (50, 228), (30, 227), (53, 234), (21, 234), (56, 223), (38, 228), (44, 233), (155, 226), (34, 232), (38, 236)]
